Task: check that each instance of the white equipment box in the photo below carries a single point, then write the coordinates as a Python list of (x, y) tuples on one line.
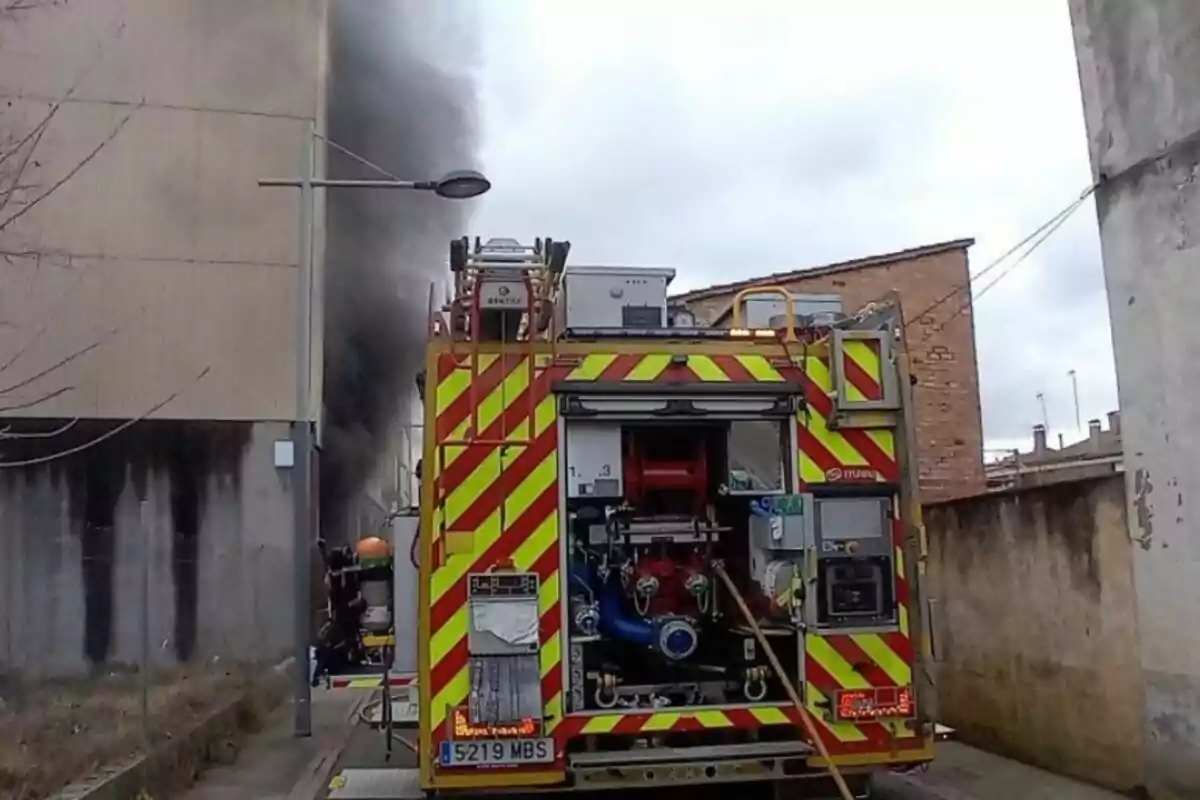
[(616, 297), (594, 460)]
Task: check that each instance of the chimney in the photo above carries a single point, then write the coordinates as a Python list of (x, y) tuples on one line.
[(1094, 433), (1039, 440), (1114, 422), (1061, 444)]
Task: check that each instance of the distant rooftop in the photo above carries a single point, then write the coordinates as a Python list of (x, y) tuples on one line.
[(1102, 448), (828, 269), (1100, 442)]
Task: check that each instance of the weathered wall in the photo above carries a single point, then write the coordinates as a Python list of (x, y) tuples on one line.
[(157, 117), (1037, 637), (1139, 68), (218, 529), (140, 254), (948, 416)]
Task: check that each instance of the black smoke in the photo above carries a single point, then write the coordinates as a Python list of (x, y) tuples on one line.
[(401, 95)]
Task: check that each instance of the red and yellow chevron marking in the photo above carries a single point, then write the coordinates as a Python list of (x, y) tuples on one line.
[(675, 721), (497, 498), (858, 661), (500, 501), (657, 367), (862, 369), (842, 455), (854, 455)]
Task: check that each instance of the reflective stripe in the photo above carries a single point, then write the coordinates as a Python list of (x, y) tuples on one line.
[(761, 369), (591, 368), (827, 455), (602, 723), (649, 368), (503, 498), (706, 369), (874, 646)]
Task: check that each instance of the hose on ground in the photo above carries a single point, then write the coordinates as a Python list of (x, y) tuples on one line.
[(789, 687), (365, 718)]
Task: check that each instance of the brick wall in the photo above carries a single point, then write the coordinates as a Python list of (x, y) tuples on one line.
[(948, 420)]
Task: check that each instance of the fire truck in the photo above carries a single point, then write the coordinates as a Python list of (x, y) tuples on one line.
[(655, 552)]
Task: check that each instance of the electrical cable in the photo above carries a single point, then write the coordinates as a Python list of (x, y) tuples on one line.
[(1046, 231), (1051, 223)]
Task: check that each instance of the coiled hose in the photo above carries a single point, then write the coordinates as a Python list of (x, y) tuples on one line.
[(805, 717)]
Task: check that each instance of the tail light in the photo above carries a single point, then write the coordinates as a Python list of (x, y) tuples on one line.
[(858, 705)]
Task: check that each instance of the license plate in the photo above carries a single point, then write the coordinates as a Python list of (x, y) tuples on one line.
[(497, 752)]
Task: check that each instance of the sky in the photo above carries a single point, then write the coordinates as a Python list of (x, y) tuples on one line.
[(729, 140)]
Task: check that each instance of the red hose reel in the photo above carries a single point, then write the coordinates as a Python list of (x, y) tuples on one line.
[(644, 476)]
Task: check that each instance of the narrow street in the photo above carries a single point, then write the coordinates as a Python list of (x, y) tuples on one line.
[(275, 766)]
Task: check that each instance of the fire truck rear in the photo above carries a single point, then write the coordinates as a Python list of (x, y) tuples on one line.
[(654, 552)]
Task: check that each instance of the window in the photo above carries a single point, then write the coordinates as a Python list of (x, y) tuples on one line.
[(755, 457)]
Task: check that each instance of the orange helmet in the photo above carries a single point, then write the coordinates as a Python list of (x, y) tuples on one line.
[(372, 547)]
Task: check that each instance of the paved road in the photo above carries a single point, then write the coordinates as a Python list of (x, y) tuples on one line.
[(964, 773), (275, 766), (958, 773)]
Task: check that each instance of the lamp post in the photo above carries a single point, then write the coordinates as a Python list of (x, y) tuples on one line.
[(456, 185), (1075, 392)]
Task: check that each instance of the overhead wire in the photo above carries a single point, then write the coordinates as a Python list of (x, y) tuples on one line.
[(1043, 231), (1046, 231)]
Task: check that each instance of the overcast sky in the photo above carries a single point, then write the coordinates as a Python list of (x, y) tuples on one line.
[(730, 140)]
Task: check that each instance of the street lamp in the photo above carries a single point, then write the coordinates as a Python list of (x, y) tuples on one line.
[(455, 185), (462, 184)]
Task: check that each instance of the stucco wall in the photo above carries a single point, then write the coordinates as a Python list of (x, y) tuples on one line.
[(1036, 636), (158, 246), (1139, 68)]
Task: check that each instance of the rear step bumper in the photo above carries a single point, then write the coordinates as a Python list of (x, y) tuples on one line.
[(665, 766), (679, 755)]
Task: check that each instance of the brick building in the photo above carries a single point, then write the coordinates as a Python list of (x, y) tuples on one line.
[(942, 341)]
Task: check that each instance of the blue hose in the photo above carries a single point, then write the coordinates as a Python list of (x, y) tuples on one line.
[(614, 622)]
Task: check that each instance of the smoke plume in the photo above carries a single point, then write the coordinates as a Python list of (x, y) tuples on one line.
[(401, 96)]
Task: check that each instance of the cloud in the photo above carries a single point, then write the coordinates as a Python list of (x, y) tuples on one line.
[(734, 140)]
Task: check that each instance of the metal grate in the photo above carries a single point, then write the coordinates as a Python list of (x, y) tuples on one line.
[(505, 689), (641, 317)]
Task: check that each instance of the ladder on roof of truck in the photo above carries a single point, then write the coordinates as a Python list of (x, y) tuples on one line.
[(503, 293)]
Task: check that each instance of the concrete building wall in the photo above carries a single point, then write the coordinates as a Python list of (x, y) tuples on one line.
[(147, 323), (1139, 68), (1037, 632), (948, 417), (215, 528), (159, 248)]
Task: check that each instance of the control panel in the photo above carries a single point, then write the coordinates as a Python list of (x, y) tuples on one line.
[(832, 557)]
